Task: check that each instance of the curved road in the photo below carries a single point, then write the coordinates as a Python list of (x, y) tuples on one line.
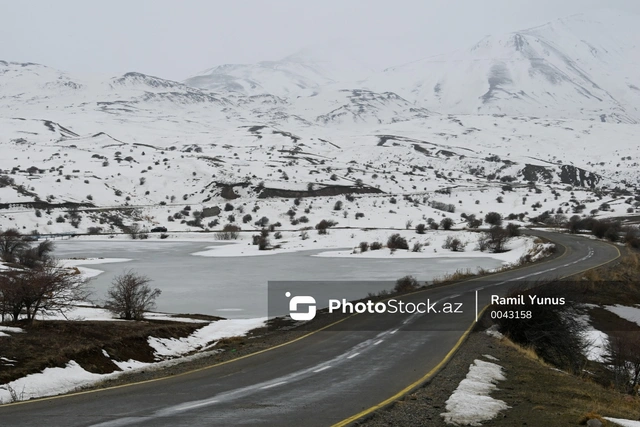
[(328, 378)]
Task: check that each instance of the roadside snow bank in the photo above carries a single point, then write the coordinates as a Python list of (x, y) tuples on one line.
[(203, 337), (53, 381), (623, 423), (49, 382), (470, 403)]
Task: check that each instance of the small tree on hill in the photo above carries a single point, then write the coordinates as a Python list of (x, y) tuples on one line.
[(130, 296), (11, 244), (446, 223), (493, 218), (396, 241), (324, 225)]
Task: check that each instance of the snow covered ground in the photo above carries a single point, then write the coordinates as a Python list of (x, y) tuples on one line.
[(623, 423), (471, 403), (203, 337), (52, 381), (632, 314)]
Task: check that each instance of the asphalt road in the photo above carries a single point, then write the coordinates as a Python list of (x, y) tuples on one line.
[(320, 380)]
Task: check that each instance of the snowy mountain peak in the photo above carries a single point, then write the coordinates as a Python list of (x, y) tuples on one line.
[(139, 79), (582, 67), (300, 74)]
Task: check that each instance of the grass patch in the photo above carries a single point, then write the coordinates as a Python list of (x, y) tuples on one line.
[(54, 343)]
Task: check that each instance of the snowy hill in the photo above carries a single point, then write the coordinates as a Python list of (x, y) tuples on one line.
[(510, 125), (301, 74), (584, 66)]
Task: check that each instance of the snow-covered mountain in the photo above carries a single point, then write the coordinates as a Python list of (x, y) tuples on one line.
[(584, 66), (302, 74), (310, 127)]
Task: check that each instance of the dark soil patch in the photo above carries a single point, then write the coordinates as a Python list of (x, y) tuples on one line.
[(54, 343)]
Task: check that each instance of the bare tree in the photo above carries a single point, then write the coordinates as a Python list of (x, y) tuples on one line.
[(11, 244), (35, 256), (498, 239), (130, 296), (46, 288)]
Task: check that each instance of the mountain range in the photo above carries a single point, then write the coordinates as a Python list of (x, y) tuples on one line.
[(509, 112)]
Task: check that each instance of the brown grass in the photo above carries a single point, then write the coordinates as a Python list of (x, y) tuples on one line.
[(55, 343)]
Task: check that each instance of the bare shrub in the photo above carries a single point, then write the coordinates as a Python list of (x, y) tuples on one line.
[(375, 246), (454, 244), (130, 296), (324, 225), (446, 207), (406, 284), (513, 230), (493, 218), (229, 232), (446, 223), (396, 241)]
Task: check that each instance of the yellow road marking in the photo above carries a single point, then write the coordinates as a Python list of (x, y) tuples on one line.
[(411, 386), (79, 393), (446, 359), (282, 345)]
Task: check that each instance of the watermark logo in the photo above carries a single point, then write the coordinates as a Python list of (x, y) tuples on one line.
[(301, 300)]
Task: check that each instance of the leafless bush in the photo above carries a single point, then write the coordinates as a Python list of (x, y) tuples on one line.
[(130, 296), (396, 241), (406, 284), (454, 244), (229, 232), (443, 206), (376, 246), (324, 225)]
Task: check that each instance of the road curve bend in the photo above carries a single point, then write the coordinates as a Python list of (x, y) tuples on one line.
[(331, 377)]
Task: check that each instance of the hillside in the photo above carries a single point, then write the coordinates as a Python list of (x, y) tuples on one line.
[(511, 125), (581, 67)]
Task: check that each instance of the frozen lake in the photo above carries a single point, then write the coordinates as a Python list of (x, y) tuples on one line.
[(236, 287)]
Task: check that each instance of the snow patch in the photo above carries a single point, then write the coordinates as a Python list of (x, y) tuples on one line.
[(49, 382), (203, 337), (470, 403), (632, 314), (493, 332), (623, 423)]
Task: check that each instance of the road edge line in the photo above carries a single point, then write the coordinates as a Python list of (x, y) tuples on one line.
[(193, 371), (413, 385), (449, 355)]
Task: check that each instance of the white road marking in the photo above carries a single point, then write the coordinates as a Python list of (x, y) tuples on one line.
[(322, 369), (273, 385), (353, 355), (377, 342)]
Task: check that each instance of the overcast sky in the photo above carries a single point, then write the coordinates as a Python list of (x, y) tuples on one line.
[(178, 38)]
